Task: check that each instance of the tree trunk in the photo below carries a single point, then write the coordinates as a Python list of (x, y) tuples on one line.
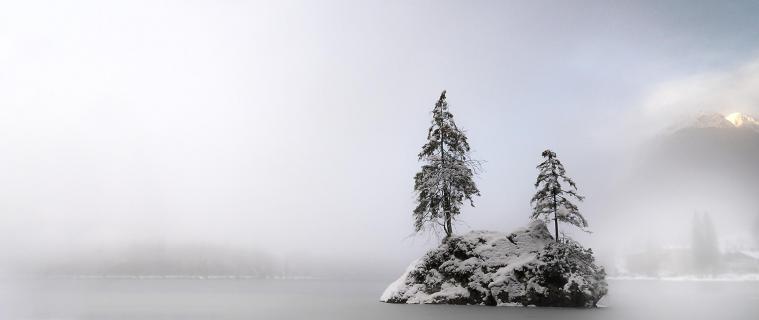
[(555, 218), (447, 215), (447, 226), (446, 197)]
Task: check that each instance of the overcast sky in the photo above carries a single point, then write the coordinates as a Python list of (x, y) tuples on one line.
[(294, 126)]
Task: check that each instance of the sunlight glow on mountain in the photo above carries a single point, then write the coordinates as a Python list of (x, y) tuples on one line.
[(738, 119)]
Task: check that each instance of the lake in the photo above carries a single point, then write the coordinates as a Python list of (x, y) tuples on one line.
[(322, 299)]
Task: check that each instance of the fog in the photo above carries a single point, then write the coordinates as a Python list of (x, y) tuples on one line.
[(288, 132)]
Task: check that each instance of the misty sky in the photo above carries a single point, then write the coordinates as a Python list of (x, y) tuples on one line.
[(294, 127)]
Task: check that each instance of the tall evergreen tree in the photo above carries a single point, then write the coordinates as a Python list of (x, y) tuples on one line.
[(446, 178), (554, 199)]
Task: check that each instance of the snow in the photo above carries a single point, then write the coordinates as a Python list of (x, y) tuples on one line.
[(398, 284), (493, 247), (484, 267), (712, 120), (740, 120), (448, 292), (720, 121)]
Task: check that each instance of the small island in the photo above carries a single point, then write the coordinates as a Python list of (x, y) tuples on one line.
[(525, 267)]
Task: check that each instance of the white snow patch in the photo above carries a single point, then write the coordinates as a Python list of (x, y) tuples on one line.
[(395, 287)]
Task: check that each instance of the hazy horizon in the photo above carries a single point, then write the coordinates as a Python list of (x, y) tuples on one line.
[(292, 128)]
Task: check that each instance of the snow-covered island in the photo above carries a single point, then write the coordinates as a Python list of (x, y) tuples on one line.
[(525, 267)]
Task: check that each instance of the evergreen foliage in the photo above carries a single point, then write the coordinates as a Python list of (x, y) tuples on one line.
[(552, 198), (563, 259), (446, 178)]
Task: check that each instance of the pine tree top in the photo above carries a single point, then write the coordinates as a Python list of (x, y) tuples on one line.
[(443, 130), (552, 200)]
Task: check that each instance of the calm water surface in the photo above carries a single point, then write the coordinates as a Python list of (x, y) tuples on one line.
[(319, 299)]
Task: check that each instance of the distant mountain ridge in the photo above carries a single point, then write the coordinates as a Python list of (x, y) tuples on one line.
[(735, 120), (709, 163), (713, 143)]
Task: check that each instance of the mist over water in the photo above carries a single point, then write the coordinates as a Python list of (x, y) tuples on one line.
[(317, 299)]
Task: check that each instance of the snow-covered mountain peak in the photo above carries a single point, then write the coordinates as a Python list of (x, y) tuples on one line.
[(733, 120), (739, 120), (712, 120)]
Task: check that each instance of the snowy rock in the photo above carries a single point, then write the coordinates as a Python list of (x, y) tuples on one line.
[(524, 267)]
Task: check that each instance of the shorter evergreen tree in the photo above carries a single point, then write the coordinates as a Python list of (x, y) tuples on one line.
[(553, 199)]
